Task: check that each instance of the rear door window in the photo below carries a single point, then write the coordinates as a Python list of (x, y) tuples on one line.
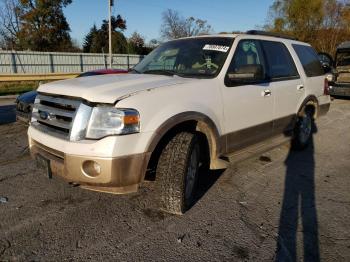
[(281, 64), (309, 59)]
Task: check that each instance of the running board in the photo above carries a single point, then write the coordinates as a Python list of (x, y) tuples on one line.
[(256, 149)]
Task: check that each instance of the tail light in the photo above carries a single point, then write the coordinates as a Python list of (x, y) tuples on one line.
[(326, 87)]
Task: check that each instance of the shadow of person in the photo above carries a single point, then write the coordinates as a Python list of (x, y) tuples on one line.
[(299, 201)]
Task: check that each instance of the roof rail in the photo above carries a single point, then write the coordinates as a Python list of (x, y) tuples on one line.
[(257, 32)]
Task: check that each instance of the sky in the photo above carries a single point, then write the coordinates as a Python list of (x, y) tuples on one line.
[(145, 16)]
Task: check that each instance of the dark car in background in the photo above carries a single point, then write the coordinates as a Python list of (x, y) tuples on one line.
[(24, 102), (340, 84)]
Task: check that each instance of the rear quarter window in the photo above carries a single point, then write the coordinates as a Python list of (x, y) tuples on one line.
[(309, 59)]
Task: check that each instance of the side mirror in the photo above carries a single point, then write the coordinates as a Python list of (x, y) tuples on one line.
[(326, 62), (326, 68), (247, 74)]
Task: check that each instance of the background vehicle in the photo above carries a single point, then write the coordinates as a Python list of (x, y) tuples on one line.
[(24, 102), (340, 86), (327, 62), (191, 104)]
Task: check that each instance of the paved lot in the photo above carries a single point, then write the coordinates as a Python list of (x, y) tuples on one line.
[(277, 207)]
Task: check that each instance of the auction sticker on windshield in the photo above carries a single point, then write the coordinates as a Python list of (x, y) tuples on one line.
[(219, 48)]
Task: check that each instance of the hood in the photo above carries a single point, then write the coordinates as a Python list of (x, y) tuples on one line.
[(110, 88), (28, 97)]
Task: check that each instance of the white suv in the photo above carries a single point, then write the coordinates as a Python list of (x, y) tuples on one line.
[(191, 103)]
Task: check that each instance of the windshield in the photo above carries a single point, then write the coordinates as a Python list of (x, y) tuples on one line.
[(343, 58), (192, 57)]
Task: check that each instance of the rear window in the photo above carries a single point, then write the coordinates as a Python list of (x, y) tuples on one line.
[(281, 64), (309, 59)]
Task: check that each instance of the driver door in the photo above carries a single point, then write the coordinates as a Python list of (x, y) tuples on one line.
[(248, 105)]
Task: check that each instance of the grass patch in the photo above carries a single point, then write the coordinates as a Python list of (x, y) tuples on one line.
[(16, 88)]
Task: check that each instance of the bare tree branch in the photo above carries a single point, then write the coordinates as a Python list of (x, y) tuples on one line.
[(175, 26), (9, 22)]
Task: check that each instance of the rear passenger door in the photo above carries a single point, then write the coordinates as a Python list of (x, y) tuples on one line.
[(314, 73), (288, 88)]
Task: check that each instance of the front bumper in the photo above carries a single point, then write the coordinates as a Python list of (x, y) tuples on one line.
[(117, 175), (339, 89), (23, 111), (23, 116)]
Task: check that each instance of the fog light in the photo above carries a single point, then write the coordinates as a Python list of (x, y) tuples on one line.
[(91, 168)]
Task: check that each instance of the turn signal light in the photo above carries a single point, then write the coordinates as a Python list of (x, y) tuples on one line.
[(131, 120)]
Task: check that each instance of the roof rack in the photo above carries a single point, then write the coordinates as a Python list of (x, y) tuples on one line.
[(257, 32)]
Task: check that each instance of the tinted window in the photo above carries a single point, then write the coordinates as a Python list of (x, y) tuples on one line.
[(309, 59), (248, 52), (281, 64)]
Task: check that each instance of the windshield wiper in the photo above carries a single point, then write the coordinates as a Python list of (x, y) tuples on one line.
[(160, 72), (194, 75)]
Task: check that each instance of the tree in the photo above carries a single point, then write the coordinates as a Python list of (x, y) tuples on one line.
[(137, 45), (323, 23), (175, 26), (9, 23), (96, 41), (336, 26), (302, 17), (43, 26), (117, 23), (89, 39)]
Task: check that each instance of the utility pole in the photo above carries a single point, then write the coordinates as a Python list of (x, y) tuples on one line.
[(111, 3)]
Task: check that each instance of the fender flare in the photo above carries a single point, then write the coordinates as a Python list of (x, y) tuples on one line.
[(309, 100), (204, 124)]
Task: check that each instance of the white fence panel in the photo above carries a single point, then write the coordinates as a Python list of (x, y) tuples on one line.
[(28, 62)]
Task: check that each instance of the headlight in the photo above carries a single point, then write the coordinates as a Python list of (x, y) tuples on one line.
[(106, 121)]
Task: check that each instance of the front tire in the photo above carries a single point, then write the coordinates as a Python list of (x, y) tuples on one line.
[(177, 173)]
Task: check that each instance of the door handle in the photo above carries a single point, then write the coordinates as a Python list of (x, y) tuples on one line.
[(267, 92), (300, 87)]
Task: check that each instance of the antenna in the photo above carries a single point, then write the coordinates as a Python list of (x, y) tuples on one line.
[(111, 3)]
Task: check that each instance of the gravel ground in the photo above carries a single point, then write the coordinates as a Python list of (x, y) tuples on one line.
[(281, 206)]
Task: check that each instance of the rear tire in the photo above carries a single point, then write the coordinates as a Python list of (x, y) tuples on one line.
[(177, 173), (303, 131)]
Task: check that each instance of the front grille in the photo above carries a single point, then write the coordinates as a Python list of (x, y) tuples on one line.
[(57, 116), (48, 150)]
